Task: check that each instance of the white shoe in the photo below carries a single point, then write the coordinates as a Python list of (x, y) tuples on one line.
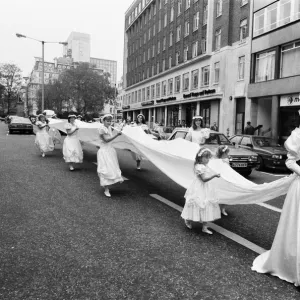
[(107, 193), (71, 168), (188, 224), (43, 154), (138, 168), (205, 229), (224, 212)]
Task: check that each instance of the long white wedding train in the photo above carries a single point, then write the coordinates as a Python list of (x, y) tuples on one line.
[(175, 158)]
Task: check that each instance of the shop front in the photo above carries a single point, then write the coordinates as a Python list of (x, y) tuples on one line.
[(288, 115)]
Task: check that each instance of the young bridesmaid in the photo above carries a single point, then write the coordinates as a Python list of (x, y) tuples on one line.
[(108, 166), (72, 150), (43, 140), (198, 207), (223, 153)]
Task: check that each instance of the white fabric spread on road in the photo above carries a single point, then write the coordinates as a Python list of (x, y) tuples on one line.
[(175, 158)]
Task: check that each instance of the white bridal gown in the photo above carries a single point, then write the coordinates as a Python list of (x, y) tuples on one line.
[(108, 166), (72, 150), (283, 260), (43, 140)]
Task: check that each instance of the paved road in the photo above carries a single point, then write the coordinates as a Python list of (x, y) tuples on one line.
[(62, 239)]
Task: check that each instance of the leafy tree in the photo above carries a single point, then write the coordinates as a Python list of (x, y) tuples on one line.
[(11, 79)]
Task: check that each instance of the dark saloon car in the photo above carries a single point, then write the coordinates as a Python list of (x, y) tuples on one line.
[(270, 154), (19, 124), (241, 160)]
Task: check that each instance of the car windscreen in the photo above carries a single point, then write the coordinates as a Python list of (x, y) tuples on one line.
[(20, 121), (217, 139), (263, 142)]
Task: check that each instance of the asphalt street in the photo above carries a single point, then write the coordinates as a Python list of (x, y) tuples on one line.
[(61, 238)]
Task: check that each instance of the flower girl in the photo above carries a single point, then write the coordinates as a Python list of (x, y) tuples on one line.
[(198, 207)]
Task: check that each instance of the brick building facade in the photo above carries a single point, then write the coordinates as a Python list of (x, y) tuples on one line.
[(183, 58)]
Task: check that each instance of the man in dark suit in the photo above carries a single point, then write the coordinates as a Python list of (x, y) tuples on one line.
[(250, 130)]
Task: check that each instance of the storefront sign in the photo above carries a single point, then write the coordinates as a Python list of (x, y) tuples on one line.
[(290, 100), (202, 93), (126, 107), (166, 100), (148, 103)]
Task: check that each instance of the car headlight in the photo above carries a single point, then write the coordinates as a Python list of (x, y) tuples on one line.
[(230, 158), (275, 156), (253, 157)]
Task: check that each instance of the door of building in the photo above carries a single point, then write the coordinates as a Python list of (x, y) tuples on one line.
[(239, 124), (205, 113)]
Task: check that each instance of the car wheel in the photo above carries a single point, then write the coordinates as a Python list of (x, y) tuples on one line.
[(10, 131), (247, 173), (260, 164)]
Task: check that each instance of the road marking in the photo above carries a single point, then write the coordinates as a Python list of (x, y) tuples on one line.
[(277, 175), (124, 178), (238, 239), (268, 206)]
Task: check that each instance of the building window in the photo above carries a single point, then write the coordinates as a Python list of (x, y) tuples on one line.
[(243, 30), (148, 93), (164, 43), (165, 20), (186, 28), (163, 65), (217, 72), (154, 9), (153, 91), (186, 81), (244, 2), (153, 50), (157, 68), (164, 88), (187, 4), (139, 96), (195, 79), (203, 45), (276, 15), (144, 57), (177, 84), (143, 94), (171, 39), (153, 29), (158, 47), (219, 8), (241, 71), (170, 62), (149, 53), (265, 66), (177, 58), (205, 76), (196, 21), (195, 49), (170, 86), (218, 39), (205, 14), (149, 34), (178, 33), (157, 90), (179, 7), (152, 70), (185, 53), (159, 25), (172, 14), (290, 60)]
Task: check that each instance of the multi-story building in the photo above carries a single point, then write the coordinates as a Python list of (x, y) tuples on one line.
[(187, 57), (119, 100), (275, 66), (79, 48)]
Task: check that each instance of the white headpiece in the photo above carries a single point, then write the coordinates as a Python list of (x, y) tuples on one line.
[(197, 117), (106, 116), (202, 151), (225, 149), (140, 115)]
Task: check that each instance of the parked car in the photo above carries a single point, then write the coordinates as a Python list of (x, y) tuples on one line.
[(162, 132), (20, 124), (241, 160), (270, 154)]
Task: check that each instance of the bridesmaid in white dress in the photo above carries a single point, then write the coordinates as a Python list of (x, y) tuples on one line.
[(72, 150), (140, 121), (43, 140), (198, 134), (108, 166), (283, 260)]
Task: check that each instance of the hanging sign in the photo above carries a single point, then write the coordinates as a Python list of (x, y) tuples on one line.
[(290, 100)]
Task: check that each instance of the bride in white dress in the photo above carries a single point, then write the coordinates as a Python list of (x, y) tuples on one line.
[(72, 150), (43, 140), (283, 260)]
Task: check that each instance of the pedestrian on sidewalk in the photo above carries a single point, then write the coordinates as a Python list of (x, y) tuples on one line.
[(223, 153), (72, 150), (108, 166), (43, 140), (198, 207)]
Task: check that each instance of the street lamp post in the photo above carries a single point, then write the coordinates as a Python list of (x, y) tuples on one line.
[(43, 67)]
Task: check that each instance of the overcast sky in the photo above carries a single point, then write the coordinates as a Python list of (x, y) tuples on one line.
[(54, 20)]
